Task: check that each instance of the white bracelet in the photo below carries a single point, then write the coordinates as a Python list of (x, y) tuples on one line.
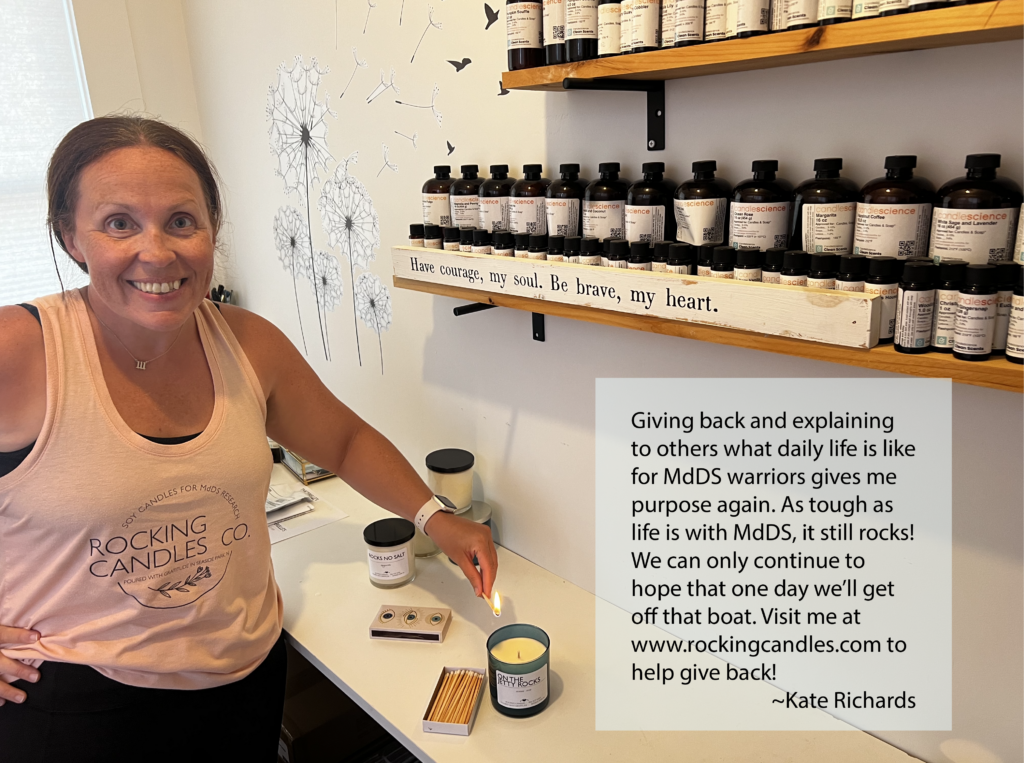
[(430, 508)]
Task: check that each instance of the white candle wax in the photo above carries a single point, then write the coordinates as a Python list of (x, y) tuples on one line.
[(518, 651)]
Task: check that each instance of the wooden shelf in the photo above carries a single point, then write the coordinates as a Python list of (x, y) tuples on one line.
[(944, 27), (997, 373)]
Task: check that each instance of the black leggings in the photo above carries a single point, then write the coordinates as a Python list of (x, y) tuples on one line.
[(75, 715)]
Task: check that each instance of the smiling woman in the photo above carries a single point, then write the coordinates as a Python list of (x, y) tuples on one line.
[(136, 558)]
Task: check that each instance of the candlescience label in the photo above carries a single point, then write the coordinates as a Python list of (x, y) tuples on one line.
[(761, 225), (519, 692), (494, 213), (975, 235), (563, 216), (893, 230), (523, 24), (829, 227), (466, 210), (389, 565), (700, 221), (645, 223), (528, 216), (604, 219), (436, 209)]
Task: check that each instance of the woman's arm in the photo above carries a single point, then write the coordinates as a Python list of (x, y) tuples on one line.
[(304, 416)]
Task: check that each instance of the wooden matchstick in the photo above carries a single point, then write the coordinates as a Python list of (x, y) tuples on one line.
[(442, 695), (467, 709), (456, 698), (449, 702)]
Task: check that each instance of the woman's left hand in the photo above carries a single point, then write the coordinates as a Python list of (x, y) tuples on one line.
[(462, 539)]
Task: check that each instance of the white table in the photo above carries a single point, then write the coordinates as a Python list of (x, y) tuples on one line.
[(329, 603)]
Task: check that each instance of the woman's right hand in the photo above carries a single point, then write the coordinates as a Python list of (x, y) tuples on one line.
[(12, 670)]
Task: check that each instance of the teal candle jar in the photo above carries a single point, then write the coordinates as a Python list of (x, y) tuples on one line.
[(518, 669)]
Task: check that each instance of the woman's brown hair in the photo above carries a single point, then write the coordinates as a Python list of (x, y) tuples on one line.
[(93, 139)]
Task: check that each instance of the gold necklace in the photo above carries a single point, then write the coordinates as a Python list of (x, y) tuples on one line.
[(139, 364)]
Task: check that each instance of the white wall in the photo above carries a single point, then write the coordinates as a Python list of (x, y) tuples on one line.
[(526, 408)]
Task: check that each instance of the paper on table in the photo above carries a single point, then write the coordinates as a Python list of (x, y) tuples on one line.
[(299, 518)]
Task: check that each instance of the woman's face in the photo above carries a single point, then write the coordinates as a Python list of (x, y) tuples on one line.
[(143, 229)]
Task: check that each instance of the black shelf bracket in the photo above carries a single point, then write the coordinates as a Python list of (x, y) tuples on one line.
[(655, 90), (476, 307)]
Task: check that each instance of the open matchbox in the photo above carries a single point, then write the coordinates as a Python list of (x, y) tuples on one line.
[(458, 729)]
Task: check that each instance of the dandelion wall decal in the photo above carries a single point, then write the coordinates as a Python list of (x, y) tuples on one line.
[(292, 242), (389, 165), (298, 136), (328, 287), (372, 6), (432, 105), (373, 303), (359, 65), (351, 222), (412, 138), (430, 23), (383, 87)]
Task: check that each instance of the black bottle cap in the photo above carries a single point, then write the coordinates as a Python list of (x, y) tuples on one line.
[(481, 237), (416, 230), (522, 241), (795, 259), (980, 275), (1020, 279), (853, 264), (639, 251), (451, 233), (533, 168), (608, 167), (824, 263), (431, 231), (618, 249), (765, 165), (466, 236), (442, 169), (606, 244), (538, 241), (706, 254), (748, 258), (589, 245), (1006, 274), (572, 244), (653, 167), (556, 243), (708, 165), (386, 533), (504, 239), (982, 161), (774, 258), (566, 169), (469, 169), (661, 249), (824, 165), (952, 271), (498, 169), (885, 268), (680, 254), (919, 271), (724, 255), (450, 461), (900, 162)]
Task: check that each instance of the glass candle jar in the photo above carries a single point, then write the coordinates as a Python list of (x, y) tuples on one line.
[(450, 473), (389, 552), (518, 669)]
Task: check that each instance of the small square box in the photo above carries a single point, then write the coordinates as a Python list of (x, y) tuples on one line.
[(303, 469), (394, 623), (458, 729)]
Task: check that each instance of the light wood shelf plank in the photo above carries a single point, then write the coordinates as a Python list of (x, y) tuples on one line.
[(944, 27), (996, 373)]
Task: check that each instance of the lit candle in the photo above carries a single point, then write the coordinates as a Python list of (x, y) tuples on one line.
[(518, 666), (518, 651)]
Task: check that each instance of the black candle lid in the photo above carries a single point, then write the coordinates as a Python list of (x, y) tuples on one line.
[(385, 533), (416, 230), (450, 461)]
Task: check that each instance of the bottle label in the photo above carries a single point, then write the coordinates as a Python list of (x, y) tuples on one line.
[(944, 320), (892, 5), (465, 247), (638, 266), (580, 19), (855, 286), (770, 277), (556, 257), (590, 259), (887, 294), (436, 209), (828, 227), (801, 12), (893, 230), (574, 259), (778, 12), (668, 23), (753, 16), (645, 223), (604, 219), (618, 264), (975, 235), (659, 267), (831, 9), (792, 280), (416, 242), (689, 20), (1015, 331), (722, 274), (1018, 247), (538, 255), (747, 274), (762, 225), (732, 9), (504, 252), (704, 270), (494, 213), (522, 691), (527, 215), (714, 23), (682, 270), (466, 211), (646, 20), (389, 564), (433, 243), (523, 254), (700, 221), (554, 21), (609, 29), (1004, 307), (481, 249), (975, 323), (451, 246), (563, 216), (626, 27), (865, 10), (821, 283), (523, 25), (914, 311)]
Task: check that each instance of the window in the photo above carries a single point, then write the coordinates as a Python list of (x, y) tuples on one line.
[(43, 94)]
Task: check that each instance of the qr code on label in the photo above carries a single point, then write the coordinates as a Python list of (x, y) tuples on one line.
[(562, 230), (764, 17), (780, 240), (533, 227), (709, 235), (558, 32), (616, 233), (648, 237), (906, 249), (997, 254)]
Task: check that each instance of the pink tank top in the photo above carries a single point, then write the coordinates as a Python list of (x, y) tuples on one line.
[(149, 562)]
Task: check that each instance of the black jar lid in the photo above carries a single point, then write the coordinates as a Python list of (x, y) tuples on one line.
[(499, 169), (765, 165), (481, 237), (680, 254), (706, 254), (1006, 274), (652, 167), (469, 168), (707, 165), (503, 239), (450, 461), (824, 263), (952, 271), (618, 249), (661, 249), (538, 241), (901, 162), (556, 243), (451, 233), (724, 255), (385, 533), (416, 230), (529, 168), (639, 251), (572, 244), (522, 241), (569, 169), (980, 275), (748, 258), (982, 161), (919, 271), (795, 259), (608, 167), (853, 264), (431, 231), (884, 267), (466, 236), (825, 165), (444, 169), (589, 245)]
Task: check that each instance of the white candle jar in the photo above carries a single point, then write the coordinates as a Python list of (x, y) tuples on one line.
[(389, 552), (450, 473)]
